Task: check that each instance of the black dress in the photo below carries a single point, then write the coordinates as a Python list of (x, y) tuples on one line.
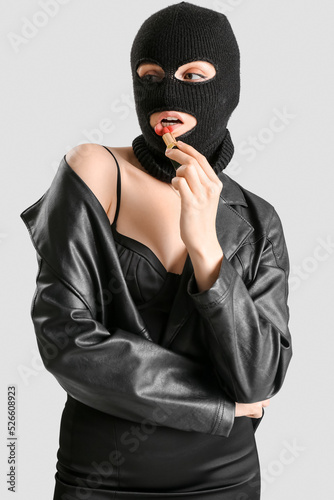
[(104, 457)]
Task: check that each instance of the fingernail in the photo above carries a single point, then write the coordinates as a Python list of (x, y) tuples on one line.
[(167, 151)]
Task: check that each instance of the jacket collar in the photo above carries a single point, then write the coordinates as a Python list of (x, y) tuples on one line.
[(231, 193), (71, 231), (232, 230)]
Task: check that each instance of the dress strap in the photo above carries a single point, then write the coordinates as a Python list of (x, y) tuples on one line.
[(118, 187)]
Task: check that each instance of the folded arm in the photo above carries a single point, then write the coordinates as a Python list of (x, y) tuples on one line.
[(248, 335), (119, 372)]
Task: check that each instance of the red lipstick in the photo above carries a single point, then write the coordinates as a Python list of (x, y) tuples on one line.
[(169, 140)]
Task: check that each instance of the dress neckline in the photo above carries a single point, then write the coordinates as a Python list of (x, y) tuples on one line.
[(145, 252), (136, 245)]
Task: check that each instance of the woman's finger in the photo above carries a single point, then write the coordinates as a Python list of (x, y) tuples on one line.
[(190, 174), (186, 159), (181, 184), (201, 159)]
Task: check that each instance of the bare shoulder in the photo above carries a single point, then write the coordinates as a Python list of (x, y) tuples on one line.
[(97, 168)]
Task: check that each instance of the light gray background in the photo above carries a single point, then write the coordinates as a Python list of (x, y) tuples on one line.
[(59, 83)]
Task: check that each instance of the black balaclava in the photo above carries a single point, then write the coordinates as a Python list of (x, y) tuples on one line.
[(172, 37)]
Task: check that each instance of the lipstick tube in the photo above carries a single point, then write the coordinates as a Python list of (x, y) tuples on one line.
[(171, 143)]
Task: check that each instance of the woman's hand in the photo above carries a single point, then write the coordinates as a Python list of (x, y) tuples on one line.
[(199, 189), (253, 410)]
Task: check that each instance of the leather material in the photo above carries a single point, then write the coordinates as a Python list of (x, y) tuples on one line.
[(93, 339)]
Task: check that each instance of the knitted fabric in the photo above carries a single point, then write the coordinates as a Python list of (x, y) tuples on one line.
[(172, 37), (159, 166)]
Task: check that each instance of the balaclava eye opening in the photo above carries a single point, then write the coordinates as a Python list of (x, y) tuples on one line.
[(172, 37)]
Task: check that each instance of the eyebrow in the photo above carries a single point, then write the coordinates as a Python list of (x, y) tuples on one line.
[(195, 63), (204, 66), (149, 64), (198, 63)]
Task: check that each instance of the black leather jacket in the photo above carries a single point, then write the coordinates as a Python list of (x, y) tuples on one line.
[(227, 344)]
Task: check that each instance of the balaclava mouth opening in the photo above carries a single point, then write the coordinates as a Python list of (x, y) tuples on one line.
[(172, 37)]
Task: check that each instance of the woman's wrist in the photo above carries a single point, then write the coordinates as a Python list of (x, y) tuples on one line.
[(206, 264)]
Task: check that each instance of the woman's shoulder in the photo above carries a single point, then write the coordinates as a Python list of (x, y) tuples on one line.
[(97, 168), (89, 157)]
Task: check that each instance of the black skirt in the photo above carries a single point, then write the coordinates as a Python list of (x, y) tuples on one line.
[(102, 457)]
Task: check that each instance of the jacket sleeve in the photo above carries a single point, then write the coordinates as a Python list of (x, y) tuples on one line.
[(248, 335), (119, 372)]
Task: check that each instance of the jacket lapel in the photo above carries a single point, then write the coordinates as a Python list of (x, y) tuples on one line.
[(232, 230)]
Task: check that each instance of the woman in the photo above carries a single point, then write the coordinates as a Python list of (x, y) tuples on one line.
[(170, 333)]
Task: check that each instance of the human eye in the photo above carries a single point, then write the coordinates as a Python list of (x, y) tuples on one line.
[(151, 78), (196, 71), (150, 73), (197, 76)]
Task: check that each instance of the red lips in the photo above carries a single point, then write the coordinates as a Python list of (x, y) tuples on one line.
[(160, 130)]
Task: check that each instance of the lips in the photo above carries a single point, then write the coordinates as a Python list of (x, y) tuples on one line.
[(170, 119), (169, 122), (167, 118)]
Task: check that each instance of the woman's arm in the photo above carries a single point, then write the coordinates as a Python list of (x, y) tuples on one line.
[(248, 335), (121, 373)]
